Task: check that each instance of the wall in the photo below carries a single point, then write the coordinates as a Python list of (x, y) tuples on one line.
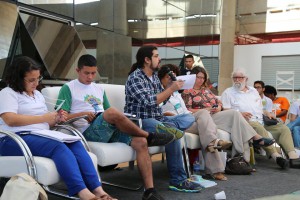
[(169, 53), (250, 56)]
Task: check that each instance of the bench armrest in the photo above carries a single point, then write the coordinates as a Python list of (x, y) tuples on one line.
[(31, 167)]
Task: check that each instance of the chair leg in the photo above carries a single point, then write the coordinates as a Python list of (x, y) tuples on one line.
[(47, 189), (123, 186), (185, 158)]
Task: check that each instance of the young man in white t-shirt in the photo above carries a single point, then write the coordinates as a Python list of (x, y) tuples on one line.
[(266, 101), (105, 124)]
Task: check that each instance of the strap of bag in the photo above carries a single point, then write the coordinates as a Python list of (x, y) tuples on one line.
[(42, 195)]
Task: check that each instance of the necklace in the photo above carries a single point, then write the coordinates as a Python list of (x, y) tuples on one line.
[(30, 95)]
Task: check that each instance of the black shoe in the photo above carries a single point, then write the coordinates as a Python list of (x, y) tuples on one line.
[(153, 195), (295, 163), (160, 139), (283, 163)]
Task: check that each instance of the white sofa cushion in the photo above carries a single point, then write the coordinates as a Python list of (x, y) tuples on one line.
[(114, 153)]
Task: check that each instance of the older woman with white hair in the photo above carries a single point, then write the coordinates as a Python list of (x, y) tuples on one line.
[(247, 101)]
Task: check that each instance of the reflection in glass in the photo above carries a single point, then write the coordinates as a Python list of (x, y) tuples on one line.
[(95, 13), (62, 7), (59, 48), (8, 18)]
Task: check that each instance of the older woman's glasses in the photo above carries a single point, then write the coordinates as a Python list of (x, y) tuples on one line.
[(34, 80)]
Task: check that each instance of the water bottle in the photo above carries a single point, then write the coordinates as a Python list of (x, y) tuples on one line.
[(196, 166)]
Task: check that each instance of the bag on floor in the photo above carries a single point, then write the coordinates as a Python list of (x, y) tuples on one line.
[(21, 187), (238, 166)]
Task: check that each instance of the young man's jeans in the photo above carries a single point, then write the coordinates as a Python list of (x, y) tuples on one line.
[(173, 150), (295, 129)]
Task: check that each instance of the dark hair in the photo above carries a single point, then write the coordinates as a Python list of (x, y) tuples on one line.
[(166, 68), (143, 52), (270, 90), (189, 56), (196, 70), (261, 83), (87, 60), (17, 71)]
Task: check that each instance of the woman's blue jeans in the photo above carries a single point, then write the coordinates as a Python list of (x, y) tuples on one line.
[(173, 149), (294, 126)]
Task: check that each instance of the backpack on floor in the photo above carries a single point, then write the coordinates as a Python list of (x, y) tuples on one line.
[(238, 166), (21, 187)]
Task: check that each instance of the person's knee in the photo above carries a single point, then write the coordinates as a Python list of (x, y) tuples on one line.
[(112, 115), (202, 113), (139, 144)]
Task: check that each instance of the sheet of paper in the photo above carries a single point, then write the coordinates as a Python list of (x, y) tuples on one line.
[(56, 135), (189, 80)]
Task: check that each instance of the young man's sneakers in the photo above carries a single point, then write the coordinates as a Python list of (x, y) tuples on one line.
[(166, 128), (151, 195), (186, 186), (159, 139)]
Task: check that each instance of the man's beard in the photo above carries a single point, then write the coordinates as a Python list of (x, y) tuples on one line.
[(154, 69), (239, 86)]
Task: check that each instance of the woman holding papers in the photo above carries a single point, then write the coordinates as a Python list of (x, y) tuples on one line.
[(207, 110), (23, 111)]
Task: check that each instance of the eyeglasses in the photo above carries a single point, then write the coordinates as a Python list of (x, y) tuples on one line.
[(34, 80), (238, 77), (200, 77), (257, 87)]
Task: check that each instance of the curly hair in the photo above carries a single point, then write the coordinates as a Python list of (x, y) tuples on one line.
[(17, 71), (164, 69)]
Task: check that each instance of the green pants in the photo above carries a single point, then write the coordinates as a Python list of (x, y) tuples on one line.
[(280, 132)]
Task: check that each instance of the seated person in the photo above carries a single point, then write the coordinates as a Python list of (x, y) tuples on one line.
[(175, 106), (266, 101), (201, 100), (144, 97), (281, 104), (294, 124), (83, 97), (247, 100), (23, 109)]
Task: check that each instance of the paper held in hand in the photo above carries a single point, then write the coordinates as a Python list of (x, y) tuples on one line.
[(56, 135), (189, 81)]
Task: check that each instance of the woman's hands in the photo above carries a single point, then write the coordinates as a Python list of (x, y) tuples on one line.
[(214, 109), (53, 118)]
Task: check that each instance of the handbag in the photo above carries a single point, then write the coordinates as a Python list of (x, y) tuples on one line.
[(22, 186), (268, 121), (238, 166)]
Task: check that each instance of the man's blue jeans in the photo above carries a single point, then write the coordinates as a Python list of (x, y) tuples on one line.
[(294, 126), (173, 150)]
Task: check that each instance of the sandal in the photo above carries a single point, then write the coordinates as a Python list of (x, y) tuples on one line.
[(218, 144), (219, 176), (216, 176), (267, 142)]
